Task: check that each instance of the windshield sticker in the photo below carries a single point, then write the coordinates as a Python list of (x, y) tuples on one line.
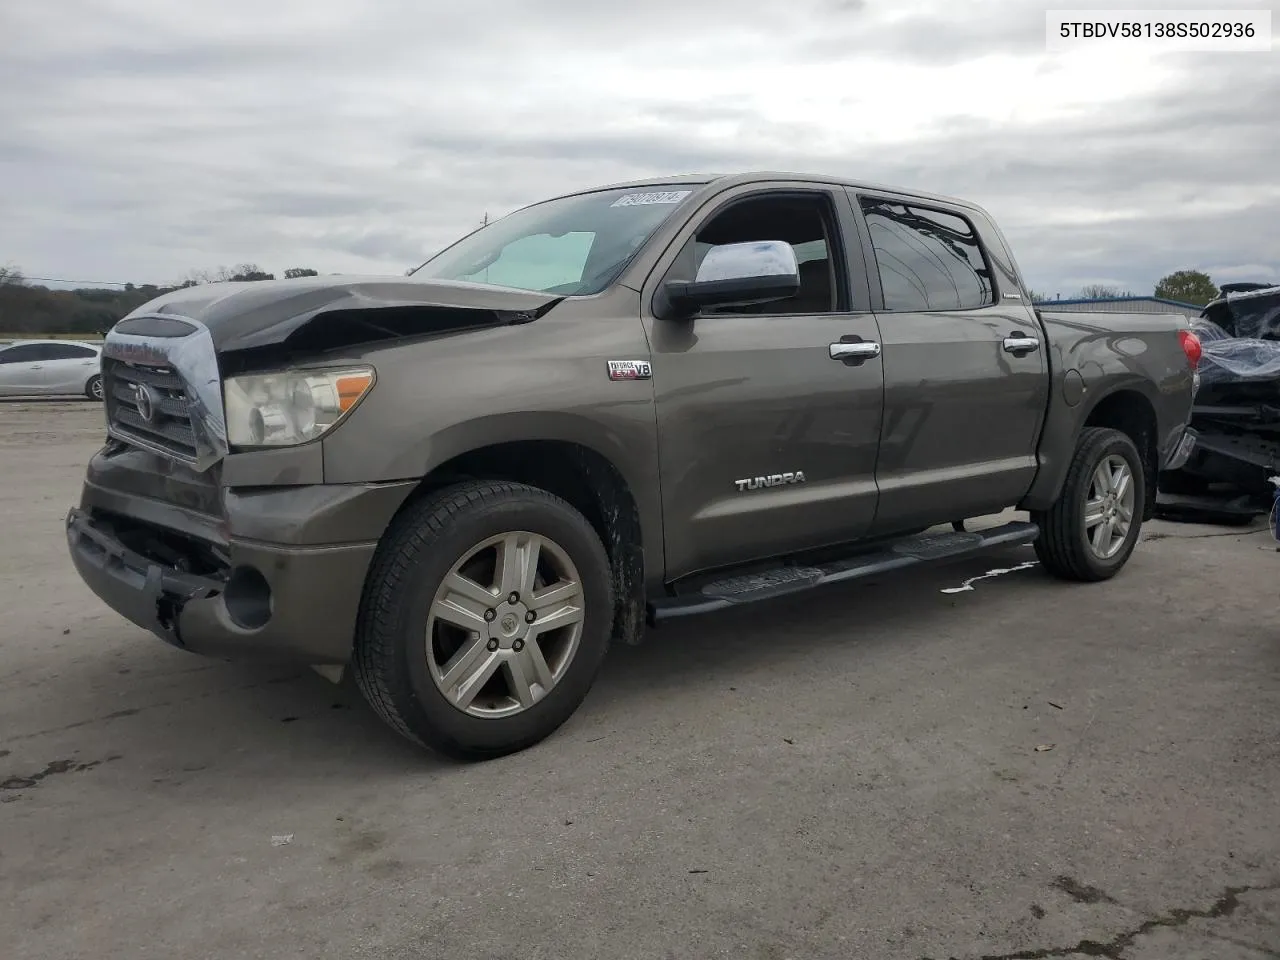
[(640, 199)]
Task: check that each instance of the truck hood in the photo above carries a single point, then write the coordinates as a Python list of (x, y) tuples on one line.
[(349, 310), (206, 333)]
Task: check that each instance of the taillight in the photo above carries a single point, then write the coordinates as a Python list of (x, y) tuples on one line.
[(1190, 346)]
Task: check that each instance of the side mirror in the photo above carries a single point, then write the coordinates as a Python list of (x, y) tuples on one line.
[(738, 273)]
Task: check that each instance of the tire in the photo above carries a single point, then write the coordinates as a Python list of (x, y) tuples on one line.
[(408, 651), (1066, 547), (93, 389)]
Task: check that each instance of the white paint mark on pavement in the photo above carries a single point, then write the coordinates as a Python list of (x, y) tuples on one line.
[(998, 572)]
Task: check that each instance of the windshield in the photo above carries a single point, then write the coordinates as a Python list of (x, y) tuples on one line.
[(573, 246)]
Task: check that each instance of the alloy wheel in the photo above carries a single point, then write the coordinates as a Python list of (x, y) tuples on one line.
[(1108, 511), (505, 624)]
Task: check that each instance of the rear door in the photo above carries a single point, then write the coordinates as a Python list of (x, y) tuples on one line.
[(68, 367), (966, 380), (767, 443)]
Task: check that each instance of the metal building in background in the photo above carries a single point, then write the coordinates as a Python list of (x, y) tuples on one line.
[(1121, 305)]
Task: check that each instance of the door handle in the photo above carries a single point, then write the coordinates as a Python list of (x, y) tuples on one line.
[(1019, 345), (37, 366), (854, 352)]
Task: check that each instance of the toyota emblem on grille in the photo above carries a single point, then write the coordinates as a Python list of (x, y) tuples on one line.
[(145, 397)]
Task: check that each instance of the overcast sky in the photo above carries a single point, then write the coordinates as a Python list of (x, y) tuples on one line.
[(140, 139)]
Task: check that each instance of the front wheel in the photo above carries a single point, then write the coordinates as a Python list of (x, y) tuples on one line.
[(1092, 528), (485, 619), (93, 389)]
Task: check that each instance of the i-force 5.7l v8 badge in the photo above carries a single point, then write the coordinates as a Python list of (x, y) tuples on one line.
[(630, 370)]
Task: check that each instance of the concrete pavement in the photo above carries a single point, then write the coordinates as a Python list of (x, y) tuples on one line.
[(1025, 769)]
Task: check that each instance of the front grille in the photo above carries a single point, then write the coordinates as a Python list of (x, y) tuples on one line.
[(169, 427)]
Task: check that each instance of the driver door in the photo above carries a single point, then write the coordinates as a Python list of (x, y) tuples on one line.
[(22, 370), (767, 443)]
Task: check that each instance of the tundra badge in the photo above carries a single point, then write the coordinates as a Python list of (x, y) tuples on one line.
[(774, 480)]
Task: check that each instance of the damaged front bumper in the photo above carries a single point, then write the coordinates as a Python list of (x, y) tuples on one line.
[(147, 593), (236, 599)]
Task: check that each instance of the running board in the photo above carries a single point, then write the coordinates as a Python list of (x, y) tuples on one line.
[(894, 555)]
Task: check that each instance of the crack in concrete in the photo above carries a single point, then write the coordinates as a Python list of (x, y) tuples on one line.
[(1114, 949), (1158, 536), (154, 705), (57, 766)]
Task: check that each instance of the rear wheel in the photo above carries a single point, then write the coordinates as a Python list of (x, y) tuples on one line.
[(485, 619), (1090, 532), (93, 389)]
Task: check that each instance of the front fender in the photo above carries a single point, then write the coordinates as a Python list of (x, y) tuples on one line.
[(435, 401)]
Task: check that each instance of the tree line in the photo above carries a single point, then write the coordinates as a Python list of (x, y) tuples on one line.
[(30, 309), (1186, 286)]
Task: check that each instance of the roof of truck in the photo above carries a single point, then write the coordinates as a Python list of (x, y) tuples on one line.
[(760, 176)]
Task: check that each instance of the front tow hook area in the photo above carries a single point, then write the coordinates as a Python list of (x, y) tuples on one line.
[(145, 592)]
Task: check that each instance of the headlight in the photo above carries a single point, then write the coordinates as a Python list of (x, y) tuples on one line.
[(291, 407)]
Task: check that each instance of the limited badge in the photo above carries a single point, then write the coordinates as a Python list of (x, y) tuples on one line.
[(630, 370)]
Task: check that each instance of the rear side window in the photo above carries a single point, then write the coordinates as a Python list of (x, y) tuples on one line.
[(68, 351), (927, 259)]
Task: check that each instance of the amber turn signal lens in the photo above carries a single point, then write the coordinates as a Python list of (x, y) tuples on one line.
[(352, 388)]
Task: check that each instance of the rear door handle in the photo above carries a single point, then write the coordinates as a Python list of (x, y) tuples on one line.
[(1019, 345), (854, 352)]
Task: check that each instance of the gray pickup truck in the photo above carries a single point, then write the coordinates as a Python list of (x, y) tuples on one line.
[(601, 412)]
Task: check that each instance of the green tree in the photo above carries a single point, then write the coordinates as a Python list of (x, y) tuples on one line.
[(250, 271), (293, 273), (33, 310), (1188, 286)]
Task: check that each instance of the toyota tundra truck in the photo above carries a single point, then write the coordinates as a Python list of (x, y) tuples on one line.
[(598, 414)]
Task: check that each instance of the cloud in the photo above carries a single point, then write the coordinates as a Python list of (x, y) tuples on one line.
[(152, 137)]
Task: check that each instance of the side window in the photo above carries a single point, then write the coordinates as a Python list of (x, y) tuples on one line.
[(805, 222), (539, 262), (24, 353), (67, 351), (927, 259)]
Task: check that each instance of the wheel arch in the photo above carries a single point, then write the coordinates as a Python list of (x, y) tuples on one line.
[(1132, 413), (586, 479), (1124, 406)]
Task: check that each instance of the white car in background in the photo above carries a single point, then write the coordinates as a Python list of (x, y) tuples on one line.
[(47, 368)]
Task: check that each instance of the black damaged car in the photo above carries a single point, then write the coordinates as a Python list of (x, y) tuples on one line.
[(1236, 416)]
